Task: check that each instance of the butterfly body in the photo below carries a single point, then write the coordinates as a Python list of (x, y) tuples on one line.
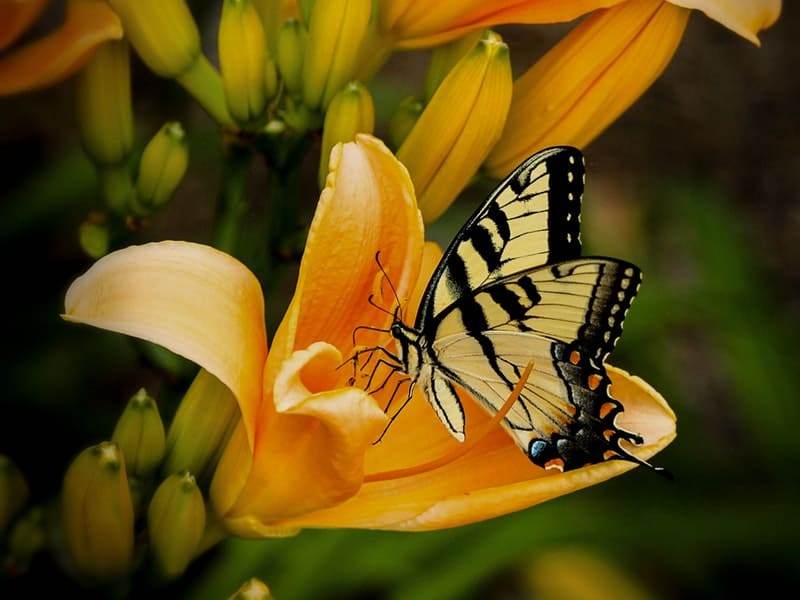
[(512, 288)]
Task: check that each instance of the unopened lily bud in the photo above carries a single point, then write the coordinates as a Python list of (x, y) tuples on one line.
[(116, 186), (290, 52), (242, 57), (139, 433), (252, 589), (162, 167), (459, 126), (335, 33), (13, 491), (103, 103), (163, 32), (445, 57), (176, 519), (97, 513), (94, 237), (403, 120), (27, 537), (201, 427), (305, 8), (350, 112)]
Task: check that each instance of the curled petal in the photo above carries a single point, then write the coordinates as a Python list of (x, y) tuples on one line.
[(588, 79), (192, 299), (745, 18), (309, 454), (58, 55), (366, 208), (416, 24), (473, 488)]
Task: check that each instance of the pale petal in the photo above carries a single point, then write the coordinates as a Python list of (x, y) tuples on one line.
[(494, 478), (192, 299), (58, 55), (745, 17), (309, 454)]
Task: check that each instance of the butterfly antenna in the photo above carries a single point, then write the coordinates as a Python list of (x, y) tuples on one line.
[(388, 280)]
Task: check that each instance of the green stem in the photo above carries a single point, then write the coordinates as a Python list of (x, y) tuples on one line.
[(232, 204)]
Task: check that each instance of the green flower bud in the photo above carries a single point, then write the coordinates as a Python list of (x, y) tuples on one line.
[(162, 167), (103, 103), (94, 237), (97, 513), (202, 425), (305, 7), (242, 56), (13, 491), (271, 14), (139, 433), (350, 112), (403, 120), (27, 537), (176, 520), (290, 52), (335, 33), (116, 187), (253, 589)]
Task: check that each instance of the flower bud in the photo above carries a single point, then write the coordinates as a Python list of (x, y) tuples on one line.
[(163, 32), (291, 49), (103, 103), (176, 519), (27, 537), (94, 237), (350, 112), (459, 126), (242, 57), (162, 167), (445, 57), (139, 433), (97, 513), (403, 120), (13, 491), (201, 427), (335, 33), (116, 187), (253, 589)]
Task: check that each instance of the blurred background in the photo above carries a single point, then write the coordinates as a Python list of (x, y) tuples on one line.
[(698, 184)]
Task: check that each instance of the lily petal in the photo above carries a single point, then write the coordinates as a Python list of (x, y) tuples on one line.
[(417, 24), (745, 18), (192, 299), (310, 454), (366, 208), (588, 79), (473, 488), (16, 17), (58, 55)]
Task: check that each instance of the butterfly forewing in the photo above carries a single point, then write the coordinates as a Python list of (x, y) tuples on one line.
[(531, 219)]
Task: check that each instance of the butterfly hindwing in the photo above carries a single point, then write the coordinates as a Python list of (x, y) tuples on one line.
[(532, 218)]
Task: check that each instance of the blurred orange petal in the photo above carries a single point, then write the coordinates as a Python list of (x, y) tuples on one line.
[(15, 18), (192, 299), (588, 79), (58, 55)]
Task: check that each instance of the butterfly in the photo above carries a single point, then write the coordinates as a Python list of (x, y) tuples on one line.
[(512, 287)]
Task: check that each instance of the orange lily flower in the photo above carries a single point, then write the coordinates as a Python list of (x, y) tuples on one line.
[(303, 454), (57, 55)]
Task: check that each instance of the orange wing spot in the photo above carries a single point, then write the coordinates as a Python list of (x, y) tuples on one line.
[(556, 464), (609, 434), (609, 455), (606, 409), (593, 381), (574, 357)]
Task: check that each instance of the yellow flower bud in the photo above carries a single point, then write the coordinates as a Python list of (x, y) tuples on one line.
[(445, 57), (403, 120), (350, 112), (139, 433), (163, 32), (201, 427), (290, 52), (459, 126), (13, 491), (27, 537), (242, 57), (253, 589), (176, 519), (162, 167), (103, 103), (97, 513), (335, 33)]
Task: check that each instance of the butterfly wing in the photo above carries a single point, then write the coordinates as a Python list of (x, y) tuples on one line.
[(531, 219), (564, 317)]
